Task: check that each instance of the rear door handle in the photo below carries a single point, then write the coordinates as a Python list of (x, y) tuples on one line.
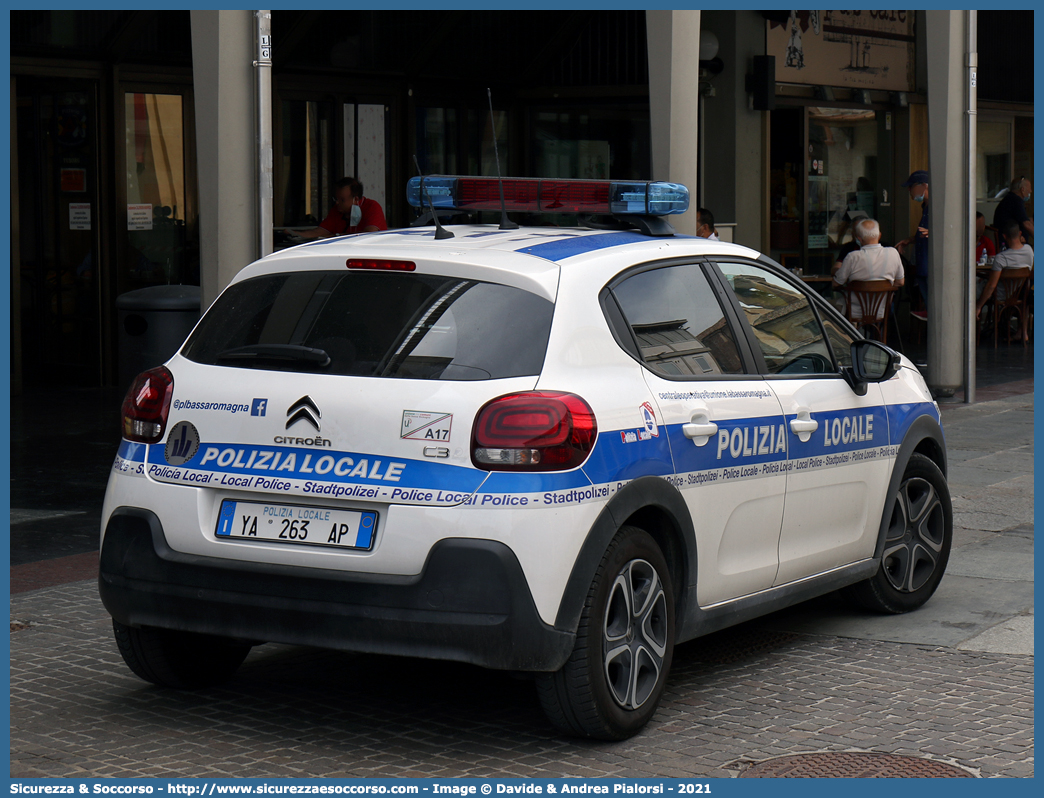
[(700, 429), (803, 425)]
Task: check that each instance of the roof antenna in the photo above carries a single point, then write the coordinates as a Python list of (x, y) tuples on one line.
[(441, 233), (505, 222)]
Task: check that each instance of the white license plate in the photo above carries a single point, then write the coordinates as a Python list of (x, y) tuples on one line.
[(290, 523)]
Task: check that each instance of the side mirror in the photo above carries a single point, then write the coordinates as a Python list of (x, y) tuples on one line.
[(871, 362)]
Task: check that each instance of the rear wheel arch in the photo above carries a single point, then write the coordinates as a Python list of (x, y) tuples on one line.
[(655, 506)]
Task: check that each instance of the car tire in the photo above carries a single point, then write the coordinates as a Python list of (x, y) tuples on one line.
[(610, 686), (183, 660), (917, 543)]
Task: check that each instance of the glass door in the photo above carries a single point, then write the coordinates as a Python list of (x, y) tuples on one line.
[(159, 236), (58, 221), (829, 167), (843, 179)]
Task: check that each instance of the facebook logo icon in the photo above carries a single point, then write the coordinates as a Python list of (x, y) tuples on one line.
[(258, 407)]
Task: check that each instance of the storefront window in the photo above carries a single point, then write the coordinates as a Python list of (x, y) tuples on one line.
[(842, 178), (482, 155), (597, 143), (993, 159), (438, 137), (155, 158), (305, 184), (826, 173)]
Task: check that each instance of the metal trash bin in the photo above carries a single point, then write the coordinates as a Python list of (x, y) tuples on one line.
[(153, 323)]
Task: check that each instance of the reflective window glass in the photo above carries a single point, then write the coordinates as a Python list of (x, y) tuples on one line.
[(305, 176), (678, 323), (154, 144), (372, 324), (783, 320)]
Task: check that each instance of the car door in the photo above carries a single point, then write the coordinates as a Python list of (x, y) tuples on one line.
[(837, 440), (724, 425)]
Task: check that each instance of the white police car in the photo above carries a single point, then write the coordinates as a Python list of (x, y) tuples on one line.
[(550, 450)]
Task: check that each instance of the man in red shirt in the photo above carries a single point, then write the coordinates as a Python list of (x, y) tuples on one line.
[(351, 213), (983, 245)]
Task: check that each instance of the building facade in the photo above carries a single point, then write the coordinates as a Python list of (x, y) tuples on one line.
[(115, 174)]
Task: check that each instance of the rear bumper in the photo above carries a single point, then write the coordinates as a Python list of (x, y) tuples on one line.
[(470, 603)]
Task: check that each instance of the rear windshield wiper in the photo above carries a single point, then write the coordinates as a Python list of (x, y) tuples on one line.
[(287, 352)]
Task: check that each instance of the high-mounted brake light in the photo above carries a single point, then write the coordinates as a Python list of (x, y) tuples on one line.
[(533, 431), (147, 404), (375, 264), (534, 195)]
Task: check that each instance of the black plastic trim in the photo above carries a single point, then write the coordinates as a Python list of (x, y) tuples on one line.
[(704, 621), (470, 603), (644, 494)]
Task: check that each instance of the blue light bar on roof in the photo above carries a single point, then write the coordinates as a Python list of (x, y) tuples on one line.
[(535, 195)]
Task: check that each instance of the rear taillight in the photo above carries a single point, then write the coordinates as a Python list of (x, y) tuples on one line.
[(533, 431), (146, 405)]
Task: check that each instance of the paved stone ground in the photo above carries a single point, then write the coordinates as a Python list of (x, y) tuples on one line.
[(952, 682), (740, 696)]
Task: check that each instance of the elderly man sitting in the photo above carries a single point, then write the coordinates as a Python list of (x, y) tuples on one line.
[(871, 261)]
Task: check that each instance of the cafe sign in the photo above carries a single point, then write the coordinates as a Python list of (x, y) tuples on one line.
[(848, 49)]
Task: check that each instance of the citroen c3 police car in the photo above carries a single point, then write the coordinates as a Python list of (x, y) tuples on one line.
[(549, 450)]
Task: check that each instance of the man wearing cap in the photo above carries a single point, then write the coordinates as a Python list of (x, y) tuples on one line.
[(917, 182), (1013, 207)]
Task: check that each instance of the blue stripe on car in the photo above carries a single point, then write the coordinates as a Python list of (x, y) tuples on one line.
[(619, 455), (578, 245)]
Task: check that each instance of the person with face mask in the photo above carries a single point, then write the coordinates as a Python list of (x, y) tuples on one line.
[(1012, 208), (917, 182), (705, 225), (351, 213)]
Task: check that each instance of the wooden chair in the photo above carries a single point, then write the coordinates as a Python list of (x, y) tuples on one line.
[(1009, 299), (868, 304)]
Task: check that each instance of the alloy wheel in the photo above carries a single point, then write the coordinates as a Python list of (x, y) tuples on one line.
[(634, 634), (916, 535)]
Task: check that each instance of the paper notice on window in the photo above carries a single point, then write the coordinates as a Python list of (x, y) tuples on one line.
[(139, 217), (79, 216)]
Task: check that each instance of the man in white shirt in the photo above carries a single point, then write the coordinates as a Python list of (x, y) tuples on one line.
[(871, 261), (1017, 256)]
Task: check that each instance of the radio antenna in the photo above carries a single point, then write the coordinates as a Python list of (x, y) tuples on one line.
[(441, 232), (505, 223)]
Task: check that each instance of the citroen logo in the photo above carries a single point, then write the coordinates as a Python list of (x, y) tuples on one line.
[(303, 409)]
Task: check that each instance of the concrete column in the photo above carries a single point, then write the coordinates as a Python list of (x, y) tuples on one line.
[(222, 62), (733, 178), (674, 91), (948, 201)]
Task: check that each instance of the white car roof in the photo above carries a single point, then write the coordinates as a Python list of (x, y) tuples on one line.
[(528, 257)]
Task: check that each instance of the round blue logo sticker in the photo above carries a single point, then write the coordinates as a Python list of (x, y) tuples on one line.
[(182, 443)]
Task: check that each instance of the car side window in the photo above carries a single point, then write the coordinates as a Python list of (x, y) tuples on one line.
[(782, 318), (679, 326)]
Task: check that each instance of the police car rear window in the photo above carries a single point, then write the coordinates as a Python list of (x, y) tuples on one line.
[(375, 324)]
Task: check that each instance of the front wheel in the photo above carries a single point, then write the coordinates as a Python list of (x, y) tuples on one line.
[(614, 679), (184, 660), (917, 543)]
